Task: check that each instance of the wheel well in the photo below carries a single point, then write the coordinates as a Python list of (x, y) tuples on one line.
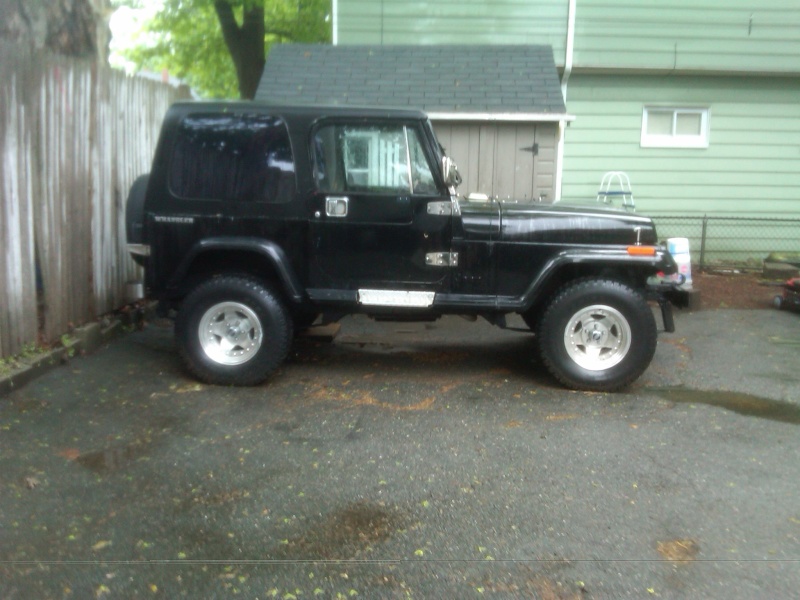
[(624, 274), (232, 262)]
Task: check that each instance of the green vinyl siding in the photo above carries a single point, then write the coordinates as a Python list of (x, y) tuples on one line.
[(454, 22), (752, 164), (738, 58), (688, 35)]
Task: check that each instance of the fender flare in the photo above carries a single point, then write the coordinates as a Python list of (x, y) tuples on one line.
[(661, 261), (267, 249)]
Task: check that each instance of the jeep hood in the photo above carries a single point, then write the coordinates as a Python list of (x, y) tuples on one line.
[(553, 224)]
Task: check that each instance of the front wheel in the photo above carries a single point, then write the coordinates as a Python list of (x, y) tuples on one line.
[(597, 334), (233, 330)]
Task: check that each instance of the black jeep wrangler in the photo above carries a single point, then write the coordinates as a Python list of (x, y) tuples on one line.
[(257, 219)]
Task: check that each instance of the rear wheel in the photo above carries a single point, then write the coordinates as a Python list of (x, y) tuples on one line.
[(597, 334), (233, 330)]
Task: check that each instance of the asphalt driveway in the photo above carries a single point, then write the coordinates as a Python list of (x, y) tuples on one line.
[(422, 461)]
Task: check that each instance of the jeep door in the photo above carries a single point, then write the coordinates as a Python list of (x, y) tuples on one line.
[(379, 216)]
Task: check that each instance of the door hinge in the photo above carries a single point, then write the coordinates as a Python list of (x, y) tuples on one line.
[(442, 259), (440, 208), (533, 149)]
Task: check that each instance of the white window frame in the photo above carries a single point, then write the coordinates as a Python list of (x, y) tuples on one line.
[(674, 140)]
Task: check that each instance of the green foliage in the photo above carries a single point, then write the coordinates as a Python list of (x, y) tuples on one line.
[(184, 37)]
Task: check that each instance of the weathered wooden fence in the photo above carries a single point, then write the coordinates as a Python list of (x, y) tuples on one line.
[(73, 136)]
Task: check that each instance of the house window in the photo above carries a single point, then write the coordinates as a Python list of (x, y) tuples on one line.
[(674, 127)]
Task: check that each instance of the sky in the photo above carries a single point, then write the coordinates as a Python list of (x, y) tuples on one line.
[(126, 24)]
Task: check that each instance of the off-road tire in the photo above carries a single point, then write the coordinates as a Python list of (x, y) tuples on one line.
[(233, 330), (597, 334)]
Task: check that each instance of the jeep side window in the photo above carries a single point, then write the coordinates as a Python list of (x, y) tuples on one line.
[(382, 159), (243, 158)]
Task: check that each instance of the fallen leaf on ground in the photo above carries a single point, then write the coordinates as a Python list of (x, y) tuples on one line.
[(101, 544), (190, 387), (564, 417), (679, 551), (69, 453)]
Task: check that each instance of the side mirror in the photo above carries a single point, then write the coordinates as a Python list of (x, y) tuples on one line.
[(450, 172)]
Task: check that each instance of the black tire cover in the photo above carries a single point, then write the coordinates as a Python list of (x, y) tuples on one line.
[(134, 209)]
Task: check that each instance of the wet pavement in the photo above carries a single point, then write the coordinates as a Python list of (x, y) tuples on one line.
[(410, 461)]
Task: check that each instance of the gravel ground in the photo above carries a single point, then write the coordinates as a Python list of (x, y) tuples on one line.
[(423, 461)]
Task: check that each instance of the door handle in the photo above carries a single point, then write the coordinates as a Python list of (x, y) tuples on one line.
[(336, 206)]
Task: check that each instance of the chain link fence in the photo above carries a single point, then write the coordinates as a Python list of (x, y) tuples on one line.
[(731, 242)]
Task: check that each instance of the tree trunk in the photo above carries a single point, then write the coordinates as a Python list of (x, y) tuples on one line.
[(245, 44), (71, 27), (24, 22)]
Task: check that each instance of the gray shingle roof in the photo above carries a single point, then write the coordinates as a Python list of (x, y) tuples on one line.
[(462, 79)]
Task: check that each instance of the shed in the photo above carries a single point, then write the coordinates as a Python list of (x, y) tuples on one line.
[(496, 109)]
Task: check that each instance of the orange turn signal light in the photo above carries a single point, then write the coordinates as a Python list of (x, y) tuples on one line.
[(642, 250)]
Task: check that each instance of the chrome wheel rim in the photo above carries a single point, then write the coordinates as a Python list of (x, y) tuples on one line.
[(230, 333), (597, 337)]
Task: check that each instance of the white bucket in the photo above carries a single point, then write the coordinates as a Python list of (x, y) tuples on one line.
[(134, 291), (679, 249)]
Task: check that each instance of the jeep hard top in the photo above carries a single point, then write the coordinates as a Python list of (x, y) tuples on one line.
[(256, 220)]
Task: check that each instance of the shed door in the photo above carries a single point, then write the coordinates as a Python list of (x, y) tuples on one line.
[(507, 160)]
